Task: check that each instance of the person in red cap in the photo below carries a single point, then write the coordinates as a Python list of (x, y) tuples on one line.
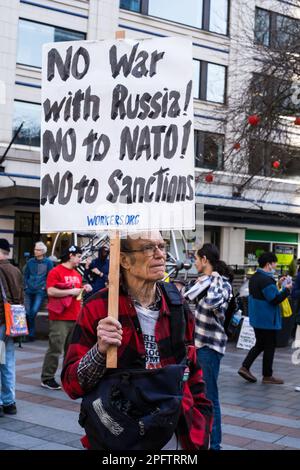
[(64, 286), (11, 281)]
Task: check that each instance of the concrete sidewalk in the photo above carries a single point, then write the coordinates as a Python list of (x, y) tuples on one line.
[(255, 416)]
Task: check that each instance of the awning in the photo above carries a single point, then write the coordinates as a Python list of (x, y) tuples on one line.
[(19, 196)]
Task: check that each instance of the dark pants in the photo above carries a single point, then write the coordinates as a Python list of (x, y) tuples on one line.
[(60, 333), (33, 304), (266, 343)]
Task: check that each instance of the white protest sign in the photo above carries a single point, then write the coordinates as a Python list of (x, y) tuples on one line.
[(247, 336), (117, 135)]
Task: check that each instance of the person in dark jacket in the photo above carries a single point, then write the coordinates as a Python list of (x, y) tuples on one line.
[(98, 270), (265, 317), (35, 275), (12, 283)]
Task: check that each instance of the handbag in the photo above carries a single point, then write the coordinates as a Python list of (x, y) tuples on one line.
[(286, 309), (285, 306), (59, 304), (133, 409), (15, 317)]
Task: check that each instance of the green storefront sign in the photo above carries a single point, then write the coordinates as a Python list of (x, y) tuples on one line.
[(284, 252), (268, 236)]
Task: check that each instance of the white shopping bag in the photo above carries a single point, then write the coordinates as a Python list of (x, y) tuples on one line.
[(296, 343)]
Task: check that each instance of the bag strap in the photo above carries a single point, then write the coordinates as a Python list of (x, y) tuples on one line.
[(178, 314), (4, 297)]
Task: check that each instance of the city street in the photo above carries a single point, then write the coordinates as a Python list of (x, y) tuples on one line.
[(255, 416)]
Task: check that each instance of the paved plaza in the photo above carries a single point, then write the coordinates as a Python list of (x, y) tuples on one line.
[(255, 416)]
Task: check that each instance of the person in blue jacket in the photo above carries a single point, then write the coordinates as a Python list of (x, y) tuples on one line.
[(265, 317), (35, 274)]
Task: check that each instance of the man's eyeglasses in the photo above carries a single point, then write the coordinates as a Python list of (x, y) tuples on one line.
[(149, 250)]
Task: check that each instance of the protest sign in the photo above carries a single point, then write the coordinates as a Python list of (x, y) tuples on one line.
[(117, 135), (247, 336)]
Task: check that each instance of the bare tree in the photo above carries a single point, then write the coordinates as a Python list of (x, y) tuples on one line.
[(264, 106)]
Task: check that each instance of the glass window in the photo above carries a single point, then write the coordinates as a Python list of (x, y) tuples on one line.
[(209, 150), (188, 12), (218, 17), (253, 250), (287, 31), (196, 78), (257, 158), (209, 81), (262, 27), (216, 77), (132, 5), (264, 154), (30, 115), (31, 37)]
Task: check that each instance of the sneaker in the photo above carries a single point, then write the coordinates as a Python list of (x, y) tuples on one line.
[(10, 409), (1, 411), (297, 389), (272, 380), (246, 374), (51, 384)]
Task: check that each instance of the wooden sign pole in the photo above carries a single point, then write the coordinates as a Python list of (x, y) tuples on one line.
[(114, 276), (113, 291)]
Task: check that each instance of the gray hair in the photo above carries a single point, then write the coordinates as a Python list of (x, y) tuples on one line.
[(41, 246)]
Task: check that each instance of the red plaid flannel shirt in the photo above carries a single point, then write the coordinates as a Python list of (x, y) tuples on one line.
[(195, 421)]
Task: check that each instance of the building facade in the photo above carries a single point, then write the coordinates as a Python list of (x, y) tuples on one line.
[(266, 216)]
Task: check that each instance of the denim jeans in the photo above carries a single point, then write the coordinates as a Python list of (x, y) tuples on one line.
[(210, 363), (7, 371), (33, 304)]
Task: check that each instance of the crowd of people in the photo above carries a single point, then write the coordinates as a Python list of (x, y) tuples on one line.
[(80, 327)]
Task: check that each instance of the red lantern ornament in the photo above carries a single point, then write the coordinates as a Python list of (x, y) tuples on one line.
[(276, 164), (209, 178), (297, 121), (253, 120), (237, 146)]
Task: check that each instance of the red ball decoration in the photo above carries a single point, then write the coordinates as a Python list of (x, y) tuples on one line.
[(237, 146), (209, 178), (297, 121), (253, 120), (276, 164)]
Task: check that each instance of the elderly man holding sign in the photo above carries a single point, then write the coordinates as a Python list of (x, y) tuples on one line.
[(155, 399)]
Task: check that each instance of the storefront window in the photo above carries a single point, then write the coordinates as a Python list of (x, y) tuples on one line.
[(253, 250), (27, 233)]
